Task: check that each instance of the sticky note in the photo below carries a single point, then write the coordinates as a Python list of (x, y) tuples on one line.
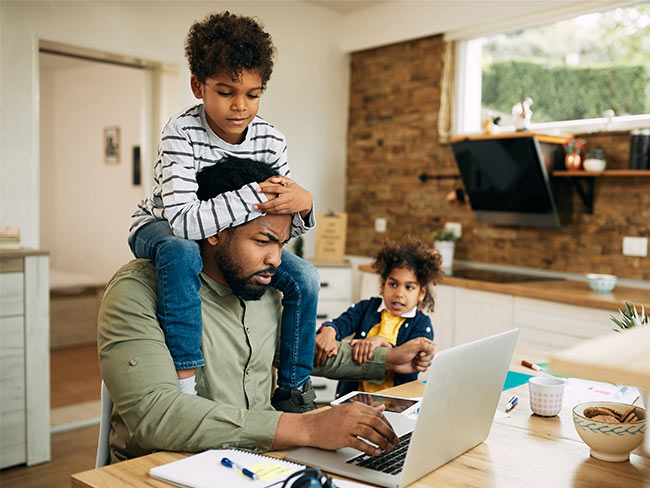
[(268, 470)]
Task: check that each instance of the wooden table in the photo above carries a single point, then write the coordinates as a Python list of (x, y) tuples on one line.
[(521, 451)]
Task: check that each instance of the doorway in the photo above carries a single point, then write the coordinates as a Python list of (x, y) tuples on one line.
[(98, 122)]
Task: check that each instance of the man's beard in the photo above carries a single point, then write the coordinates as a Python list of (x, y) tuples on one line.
[(243, 287)]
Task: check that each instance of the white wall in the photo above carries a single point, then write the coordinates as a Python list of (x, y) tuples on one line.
[(401, 20), (86, 203), (306, 97)]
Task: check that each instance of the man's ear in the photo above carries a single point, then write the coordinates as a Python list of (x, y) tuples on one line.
[(212, 240), (196, 86)]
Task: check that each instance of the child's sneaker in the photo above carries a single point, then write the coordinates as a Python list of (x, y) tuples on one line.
[(293, 400)]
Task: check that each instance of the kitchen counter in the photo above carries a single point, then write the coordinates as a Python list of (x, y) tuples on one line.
[(560, 290)]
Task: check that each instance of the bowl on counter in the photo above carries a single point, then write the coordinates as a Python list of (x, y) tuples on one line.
[(603, 283), (610, 440)]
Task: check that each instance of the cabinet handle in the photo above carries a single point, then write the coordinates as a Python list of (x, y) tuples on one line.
[(321, 315), (324, 284)]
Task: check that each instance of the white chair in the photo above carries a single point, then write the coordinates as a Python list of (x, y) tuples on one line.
[(103, 443)]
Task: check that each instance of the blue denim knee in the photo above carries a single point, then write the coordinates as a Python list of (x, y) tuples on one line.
[(299, 282)]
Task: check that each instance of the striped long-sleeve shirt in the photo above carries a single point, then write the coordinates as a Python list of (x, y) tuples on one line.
[(188, 145)]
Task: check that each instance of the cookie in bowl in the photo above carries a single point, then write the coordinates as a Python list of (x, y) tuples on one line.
[(612, 430)]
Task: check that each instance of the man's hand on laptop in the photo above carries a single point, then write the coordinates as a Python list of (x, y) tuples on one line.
[(337, 427), (411, 357), (343, 426)]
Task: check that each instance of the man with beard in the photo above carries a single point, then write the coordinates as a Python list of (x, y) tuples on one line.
[(241, 324)]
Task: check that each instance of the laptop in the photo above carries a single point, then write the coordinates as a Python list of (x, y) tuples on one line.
[(457, 410)]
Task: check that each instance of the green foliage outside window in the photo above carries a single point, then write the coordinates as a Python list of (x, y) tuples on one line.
[(566, 92), (573, 69)]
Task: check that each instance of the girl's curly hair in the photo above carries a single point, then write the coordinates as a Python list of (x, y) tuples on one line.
[(231, 43), (414, 255)]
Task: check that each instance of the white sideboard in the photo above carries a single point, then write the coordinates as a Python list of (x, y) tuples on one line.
[(24, 358), (334, 298)]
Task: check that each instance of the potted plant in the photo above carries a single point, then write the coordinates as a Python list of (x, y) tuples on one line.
[(630, 317), (443, 241)]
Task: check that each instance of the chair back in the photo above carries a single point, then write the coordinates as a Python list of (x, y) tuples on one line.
[(103, 443)]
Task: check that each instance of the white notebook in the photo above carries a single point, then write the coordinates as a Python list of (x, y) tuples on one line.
[(206, 471)]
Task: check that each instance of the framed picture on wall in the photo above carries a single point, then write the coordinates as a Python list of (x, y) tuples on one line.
[(112, 145)]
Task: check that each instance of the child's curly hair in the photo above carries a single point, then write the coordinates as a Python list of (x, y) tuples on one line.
[(414, 255), (231, 43)]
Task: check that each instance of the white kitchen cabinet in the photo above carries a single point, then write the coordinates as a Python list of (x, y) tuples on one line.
[(551, 326), (463, 315), (481, 314), (24, 358), (334, 298), (443, 317)]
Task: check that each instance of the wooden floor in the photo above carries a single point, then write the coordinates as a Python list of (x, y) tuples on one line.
[(74, 375), (72, 451)]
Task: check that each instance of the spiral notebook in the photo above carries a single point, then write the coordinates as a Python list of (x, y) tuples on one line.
[(206, 471)]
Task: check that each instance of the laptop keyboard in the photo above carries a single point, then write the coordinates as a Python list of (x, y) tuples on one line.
[(387, 462)]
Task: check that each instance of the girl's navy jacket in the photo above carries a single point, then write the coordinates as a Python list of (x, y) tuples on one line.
[(363, 316)]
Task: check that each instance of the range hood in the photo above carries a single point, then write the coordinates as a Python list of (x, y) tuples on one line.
[(507, 179)]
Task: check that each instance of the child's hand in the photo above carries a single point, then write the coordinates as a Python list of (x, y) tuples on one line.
[(292, 198), (363, 348), (326, 345)]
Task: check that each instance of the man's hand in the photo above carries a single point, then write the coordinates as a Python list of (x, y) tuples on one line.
[(292, 198), (337, 427), (411, 357), (363, 348), (326, 345)]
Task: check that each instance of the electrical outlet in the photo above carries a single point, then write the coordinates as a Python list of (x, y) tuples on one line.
[(380, 225), (455, 227), (635, 246)]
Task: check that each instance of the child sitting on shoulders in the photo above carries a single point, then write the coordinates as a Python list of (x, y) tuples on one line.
[(407, 270), (231, 60)]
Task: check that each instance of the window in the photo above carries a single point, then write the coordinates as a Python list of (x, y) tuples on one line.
[(585, 73)]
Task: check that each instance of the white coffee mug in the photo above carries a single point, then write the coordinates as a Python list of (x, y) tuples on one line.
[(546, 393)]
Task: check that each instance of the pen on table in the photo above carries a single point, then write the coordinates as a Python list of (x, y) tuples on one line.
[(246, 472), (512, 403), (530, 365)]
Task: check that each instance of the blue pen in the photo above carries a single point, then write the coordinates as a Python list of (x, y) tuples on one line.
[(511, 403), (246, 472)]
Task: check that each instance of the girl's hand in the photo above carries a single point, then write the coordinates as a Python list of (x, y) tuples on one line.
[(326, 345), (363, 348), (291, 197)]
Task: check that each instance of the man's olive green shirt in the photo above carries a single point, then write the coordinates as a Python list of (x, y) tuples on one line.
[(240, 340)]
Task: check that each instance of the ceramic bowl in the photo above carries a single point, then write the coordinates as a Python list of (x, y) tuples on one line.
[(609, 441), (594, 164), (603, 283)]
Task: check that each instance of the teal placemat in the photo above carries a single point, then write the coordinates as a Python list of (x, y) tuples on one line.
[(514, 379)]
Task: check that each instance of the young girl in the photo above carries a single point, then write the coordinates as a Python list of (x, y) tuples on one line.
[(406, 270)]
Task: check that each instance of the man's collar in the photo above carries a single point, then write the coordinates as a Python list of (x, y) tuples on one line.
[(407, 315), (218, 288)]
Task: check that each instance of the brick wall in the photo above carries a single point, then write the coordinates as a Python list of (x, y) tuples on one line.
[(393, 138)]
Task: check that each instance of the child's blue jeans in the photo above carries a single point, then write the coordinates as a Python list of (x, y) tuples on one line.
[(178, 264)]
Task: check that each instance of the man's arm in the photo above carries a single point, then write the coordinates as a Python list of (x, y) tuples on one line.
[(140, 376)]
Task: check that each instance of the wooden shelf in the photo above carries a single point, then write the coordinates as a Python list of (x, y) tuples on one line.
[(610, 172), (559, 139)]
